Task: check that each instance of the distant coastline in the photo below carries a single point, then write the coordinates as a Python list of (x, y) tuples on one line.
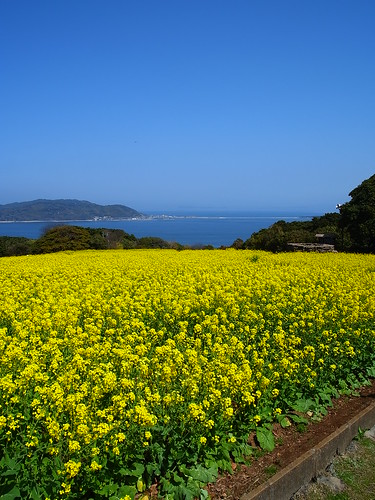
[(46, 221), (64, 210)]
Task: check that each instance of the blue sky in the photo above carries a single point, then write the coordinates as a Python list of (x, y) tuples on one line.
[(187, 104)]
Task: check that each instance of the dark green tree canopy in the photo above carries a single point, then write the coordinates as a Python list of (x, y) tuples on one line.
[(61, 238), (14, 245), (358, 217)]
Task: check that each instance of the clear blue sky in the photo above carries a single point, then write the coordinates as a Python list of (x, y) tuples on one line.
[(187, 104)]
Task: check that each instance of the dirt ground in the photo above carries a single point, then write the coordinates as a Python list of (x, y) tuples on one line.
[(293, 444)]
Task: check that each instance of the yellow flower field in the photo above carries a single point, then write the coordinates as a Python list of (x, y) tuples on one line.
[(121, 367)]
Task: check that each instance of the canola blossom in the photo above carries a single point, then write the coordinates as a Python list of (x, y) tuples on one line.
[(118, 366)]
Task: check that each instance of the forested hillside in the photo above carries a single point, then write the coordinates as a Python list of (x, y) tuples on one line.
[(62, 210)]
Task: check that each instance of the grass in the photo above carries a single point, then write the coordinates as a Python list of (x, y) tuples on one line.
[(271, 470), (356, 469)]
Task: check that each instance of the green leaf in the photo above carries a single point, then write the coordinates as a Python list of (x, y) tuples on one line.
[(136, 472), (123, 491), (204, 495), (225, 465), (201, 474), (10, 463), (153, 469), (265, 439), (285, 422), (242, 453), (35, 495), (303, 405), (298, 419), (177, 478), (109, 489), (9, 473), (12, 494), (210, 462), (190, 490), (225, 452)]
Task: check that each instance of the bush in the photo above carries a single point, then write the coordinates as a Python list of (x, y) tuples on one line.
[(10, 245), (61, 238)]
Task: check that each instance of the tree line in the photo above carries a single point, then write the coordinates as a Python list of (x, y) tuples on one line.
[(67, 237)]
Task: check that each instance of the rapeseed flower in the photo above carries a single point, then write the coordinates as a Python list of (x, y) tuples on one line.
[(106, 353)]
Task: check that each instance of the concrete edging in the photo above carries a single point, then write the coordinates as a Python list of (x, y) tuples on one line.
[(289, 480)]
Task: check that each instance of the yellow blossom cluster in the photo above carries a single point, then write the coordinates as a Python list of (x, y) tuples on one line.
[(102, 350)]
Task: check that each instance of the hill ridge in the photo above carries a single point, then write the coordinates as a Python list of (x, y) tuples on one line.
[(63, 210)]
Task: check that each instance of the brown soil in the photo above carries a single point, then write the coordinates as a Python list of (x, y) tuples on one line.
[(293, 444)]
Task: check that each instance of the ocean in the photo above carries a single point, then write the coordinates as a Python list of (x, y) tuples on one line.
[(188, 229)]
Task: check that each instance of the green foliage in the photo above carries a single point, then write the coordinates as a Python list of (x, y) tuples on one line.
[(152, 242), (265, 438), (61, 238), (102, 238), (277, 237), (358, 217), (129, 241), (353, 229), (10, 245), (97, 239), (66, 237), (237, 244), (62, 210), (181, 457)]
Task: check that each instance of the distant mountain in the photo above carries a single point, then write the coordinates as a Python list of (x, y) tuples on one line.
[(63, 210)]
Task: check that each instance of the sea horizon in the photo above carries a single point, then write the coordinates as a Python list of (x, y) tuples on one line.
[(216, 228)]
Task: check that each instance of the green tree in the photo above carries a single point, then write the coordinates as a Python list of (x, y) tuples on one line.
[(273, 239), (238, 244), (61, 238), (152, 242), (101, 238), (14, 245), (358, 217)]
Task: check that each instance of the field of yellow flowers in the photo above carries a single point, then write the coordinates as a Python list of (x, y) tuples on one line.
[(122, 369)]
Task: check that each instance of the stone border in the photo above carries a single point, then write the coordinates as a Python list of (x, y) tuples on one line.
[(289, 480)]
